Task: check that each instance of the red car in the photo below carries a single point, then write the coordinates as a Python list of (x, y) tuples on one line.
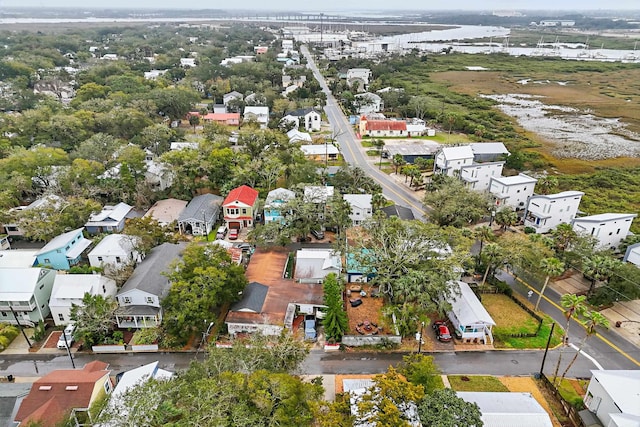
[(233, 234), (442, 331)]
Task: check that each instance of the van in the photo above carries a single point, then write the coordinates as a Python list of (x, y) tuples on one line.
[(222, 232), (309, 327), (68, 333), (318, 234)]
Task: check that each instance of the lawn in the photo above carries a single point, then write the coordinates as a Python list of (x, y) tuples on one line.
[(476, 383), (510, 318), (539, 341), (573, 391)]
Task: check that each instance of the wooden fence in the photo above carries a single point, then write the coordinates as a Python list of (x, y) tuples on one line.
[(569, 410), (495, 290)]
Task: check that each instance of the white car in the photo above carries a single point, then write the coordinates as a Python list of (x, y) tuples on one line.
[(68, 332)]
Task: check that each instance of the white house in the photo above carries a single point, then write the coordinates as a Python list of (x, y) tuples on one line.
[(295, 135), (498, 409), (184, 146), (369, 103), (633, 255), (26, 291), (114, 252), (110, 219), (154, 74), (276, 199), (613, 395), (450, 159), (488, 151), (42, 203), (609, 228), (359, 76), (361, 208), (313, 265), (228, 97), (546, 211), (469, 316), (257, 114), (308, 118), (200, 215), (512, 191), (18, 258), (187, 62), (69, 289), (477, 176), (324, 151)]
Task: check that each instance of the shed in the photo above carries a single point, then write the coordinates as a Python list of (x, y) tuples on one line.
[(500, 409), (468, 315)]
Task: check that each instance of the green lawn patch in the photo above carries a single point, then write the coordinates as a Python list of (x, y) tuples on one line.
[(475, 383), (510, 318), (539, 341), (568, 389)]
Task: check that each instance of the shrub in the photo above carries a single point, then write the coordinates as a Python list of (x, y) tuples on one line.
[(146, 336), (39, 331), (529, 230), (503, 287)]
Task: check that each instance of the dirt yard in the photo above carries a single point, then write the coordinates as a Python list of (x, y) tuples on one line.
[(370, 310)]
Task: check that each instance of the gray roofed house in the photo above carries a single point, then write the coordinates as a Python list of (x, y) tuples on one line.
[(11, 395), (140, 297), (200, 214), (253, 298), (399, 211)]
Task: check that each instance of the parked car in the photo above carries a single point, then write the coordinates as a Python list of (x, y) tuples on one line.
[(318, 234), (303, 239), (233, 234), (356, 302), (222, 232), (442, 331), (68, 333), (310, 327)]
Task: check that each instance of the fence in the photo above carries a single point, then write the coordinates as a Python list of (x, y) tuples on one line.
[(358, 341), (495, 290), (569, 410)]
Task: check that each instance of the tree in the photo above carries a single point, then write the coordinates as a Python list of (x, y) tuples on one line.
[(574, 305), (546, 184), (592, 319), (454, 204), (421, 370), (493, 256), (148, 232), (483, 234), (598, 268), (563, 236), (94, 318), (335, 320), (552, 267), (398, 161), (194, 121), (379, 144), (506, 217), (174, 102), (443, 408)]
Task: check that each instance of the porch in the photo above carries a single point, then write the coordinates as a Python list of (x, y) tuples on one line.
[(138, 316)]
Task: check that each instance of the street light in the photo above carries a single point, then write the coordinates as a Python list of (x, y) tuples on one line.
[(420, 337), (205, 334)]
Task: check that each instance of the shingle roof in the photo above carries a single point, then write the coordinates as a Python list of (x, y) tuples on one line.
[(253, 298), (110, 214), (243, 194), (300, 112), (205, 205), (148, 275), (399, 211), (386, 125)]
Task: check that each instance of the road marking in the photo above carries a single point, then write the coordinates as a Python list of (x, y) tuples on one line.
[(603, 339), (595, 362)]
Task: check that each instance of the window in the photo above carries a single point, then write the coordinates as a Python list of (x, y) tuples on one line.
[(618, 232), (149, 300), (104, 289), (244, 211), (118, 259), (42, 286), (47, 260), (4, 314), (59, 251), (100, 258), (68, 247), (232, 211), (127, 300), (61, 317)]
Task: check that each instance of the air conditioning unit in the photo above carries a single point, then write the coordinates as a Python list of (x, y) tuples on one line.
[(358, 280), (319, 281)]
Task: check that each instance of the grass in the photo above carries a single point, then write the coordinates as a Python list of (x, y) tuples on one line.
[(510, 318), (476, 383), (568, 389), (539, 341)]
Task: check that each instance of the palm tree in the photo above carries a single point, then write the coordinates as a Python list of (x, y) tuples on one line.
[(506, 217), (593, 319), (398, 161), (552, 267), (379, 144), (598, 268), (546, 183), (492, 255), (483, 234), (378, 201), (563, 235), (574, 306)]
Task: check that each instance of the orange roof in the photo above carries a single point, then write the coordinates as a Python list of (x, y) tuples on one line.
[(53, 395), (386, 125), (220, 117), (243, 194)]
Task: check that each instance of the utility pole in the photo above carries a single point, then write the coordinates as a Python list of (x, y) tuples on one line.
[(66, 344), (553, 325), (20, 325), (420, 339)]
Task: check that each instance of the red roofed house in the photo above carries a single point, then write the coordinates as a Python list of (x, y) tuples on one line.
[(55, 395), (378, 128), (227, 119), (239, 207)]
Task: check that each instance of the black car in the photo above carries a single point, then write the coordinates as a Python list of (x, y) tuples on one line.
[(303, 239)]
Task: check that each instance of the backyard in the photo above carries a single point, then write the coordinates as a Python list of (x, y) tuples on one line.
[(370, 311)]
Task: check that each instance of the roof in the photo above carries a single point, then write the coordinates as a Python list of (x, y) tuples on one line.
[(75, 251), (243, 194), (18, 284), (369, 95), (17, 258), (625, 420), (136, 376), (560, 195), (110, 214), (389, 125), (468, 308), (148, 275), (184, 145), (401, 212), (317, 193), (489, 148), (74, 286), (114, 244), (424, 148), (167, 210), (220, 117), (201, 207), (316, 263), (10, 394), (60, 241), (279, 194), (623, 386), (362, 201), (301, 112), (515, 180), (455, 153), (605, 217), (253, 298), (503, 409), (60, 391), (295, 135), (257, 110), (319, 149), (233, 94)]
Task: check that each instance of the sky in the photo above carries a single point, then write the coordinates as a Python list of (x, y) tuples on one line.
[(336, 5)]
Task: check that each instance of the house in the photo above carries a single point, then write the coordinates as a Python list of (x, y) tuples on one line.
[(512, 191), (226, 119), (411, 152), (270, 302), (356, 272), (308, 118), (140, 297), (500, 409), (114, 252), (5, 242), (18, 258), (319, 195), (545, 212), (359, 77), (320, 152), (382, 128), (418, 127), (289, 82), (256, 114), (63, 251), (469, 317), (200, 215), (609, 228), (449, 160), (632, 254), (613, 395), (276, 199), (158, 175), (69, 289), (26, 292), (11, 396), (489, 151), (111, 219), (239, 207), (154, 74), (166, 211), (295, 135), (187, 62), (55, 395), (368, 102), (477, 176), (401, 212), (184, 146), (228, 97), (313, 265), (361, 208), (43, 203)]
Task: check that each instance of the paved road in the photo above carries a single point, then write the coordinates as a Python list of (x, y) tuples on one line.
[(354, 153)]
